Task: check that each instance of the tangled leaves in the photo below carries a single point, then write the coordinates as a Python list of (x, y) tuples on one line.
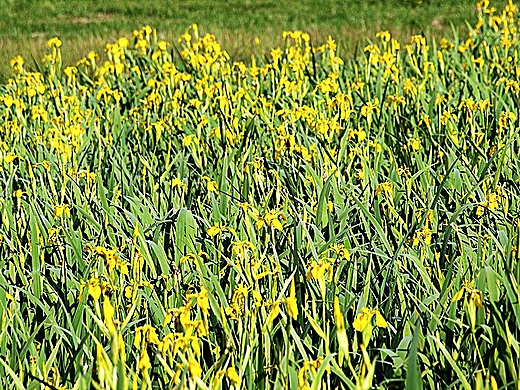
[(174, 218)]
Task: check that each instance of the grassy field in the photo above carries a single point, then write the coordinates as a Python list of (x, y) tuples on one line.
[(173, 218), (87, 25)]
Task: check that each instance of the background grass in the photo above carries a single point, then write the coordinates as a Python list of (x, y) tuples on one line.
[(86, 25)]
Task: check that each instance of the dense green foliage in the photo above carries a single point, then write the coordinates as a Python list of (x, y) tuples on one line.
[(174, 219)]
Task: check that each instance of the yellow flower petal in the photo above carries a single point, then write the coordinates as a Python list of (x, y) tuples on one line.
[(195, 369), (214, 230), (338, 315), (233, 376), (292, 303), (276, 224), (108, 312), (362, 320), (203, 300), (144, 362), (459, 294), (380, 321)]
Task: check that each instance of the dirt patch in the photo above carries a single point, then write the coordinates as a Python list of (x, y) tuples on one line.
[(437, 23), (99, 17), (38, 35)]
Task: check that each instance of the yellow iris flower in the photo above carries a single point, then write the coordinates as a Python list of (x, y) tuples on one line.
[(365, 317)]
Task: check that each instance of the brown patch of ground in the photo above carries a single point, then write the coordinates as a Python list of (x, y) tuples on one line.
[(96, 18), (437, 24)]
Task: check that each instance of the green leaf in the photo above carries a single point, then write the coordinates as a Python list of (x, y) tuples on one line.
[(413, 372), (16, 380), (322, 213), (35, 255), (185, 233), (453, 364)]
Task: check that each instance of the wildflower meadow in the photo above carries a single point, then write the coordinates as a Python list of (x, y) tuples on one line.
[(174, 219)]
